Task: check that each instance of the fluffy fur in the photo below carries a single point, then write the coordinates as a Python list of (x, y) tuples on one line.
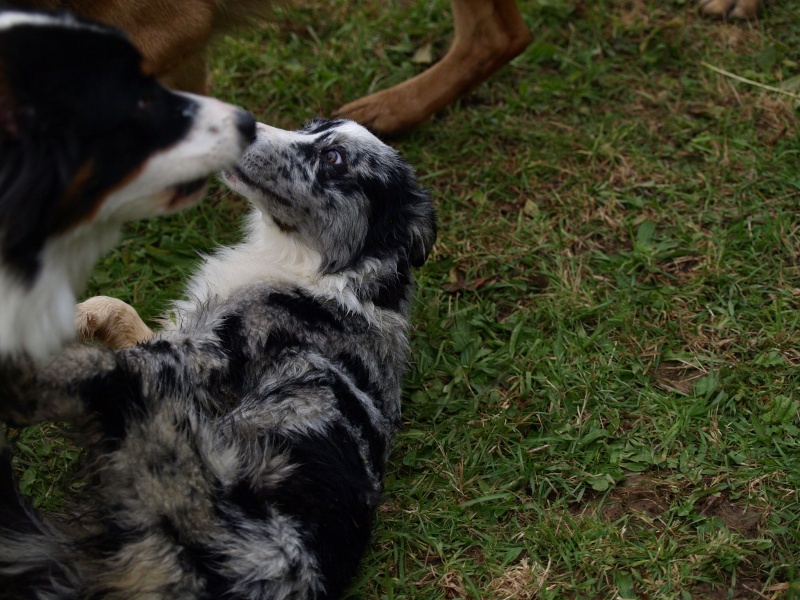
[(244, 447), (88, 140)]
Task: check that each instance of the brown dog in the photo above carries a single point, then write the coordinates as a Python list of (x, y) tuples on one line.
[(174, 38)]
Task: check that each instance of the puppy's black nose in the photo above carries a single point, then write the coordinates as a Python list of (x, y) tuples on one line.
[(246, 124)]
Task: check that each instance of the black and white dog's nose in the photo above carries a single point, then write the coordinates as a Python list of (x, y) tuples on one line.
[(246, 124)]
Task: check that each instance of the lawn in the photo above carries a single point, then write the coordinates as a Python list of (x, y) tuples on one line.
[(604, 394)]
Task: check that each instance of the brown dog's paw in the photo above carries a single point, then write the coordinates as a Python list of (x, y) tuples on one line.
[(488, 34), (111, 322), (388, 112), (730, 9)]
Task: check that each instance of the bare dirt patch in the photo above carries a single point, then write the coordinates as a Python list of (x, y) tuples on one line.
[(651, 497), (744, 520), (639, 495)]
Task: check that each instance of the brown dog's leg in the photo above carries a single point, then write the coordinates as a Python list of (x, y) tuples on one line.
[(172, 36), (191, 75), (111, 322), (730, 9), (488, 34)]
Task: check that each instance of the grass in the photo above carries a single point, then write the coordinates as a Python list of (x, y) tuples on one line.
[(605, 387)]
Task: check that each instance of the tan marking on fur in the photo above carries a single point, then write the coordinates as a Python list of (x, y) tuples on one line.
[(80, 179), (147, 67), (128, 575), (111, 322), (66, 216)]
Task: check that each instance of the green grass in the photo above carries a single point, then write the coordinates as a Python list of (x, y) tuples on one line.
[(605, 387)]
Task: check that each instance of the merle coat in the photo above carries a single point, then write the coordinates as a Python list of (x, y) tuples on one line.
[(243, 448)]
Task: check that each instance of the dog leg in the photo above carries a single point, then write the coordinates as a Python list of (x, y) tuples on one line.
[(111, 322), (54, 391), (488, 34), (172, 39), (191, 75), (730, 9), (89, 380)]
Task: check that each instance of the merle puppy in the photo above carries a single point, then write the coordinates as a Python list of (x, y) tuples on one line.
[(244, 447)]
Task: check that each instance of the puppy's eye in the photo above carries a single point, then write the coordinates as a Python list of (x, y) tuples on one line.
[(332, 156)]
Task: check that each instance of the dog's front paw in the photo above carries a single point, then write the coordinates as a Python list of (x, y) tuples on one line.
[(388, 112), (730, 9), (111, 322)]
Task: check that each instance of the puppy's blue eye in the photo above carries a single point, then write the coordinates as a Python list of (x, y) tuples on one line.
[(332, 156)]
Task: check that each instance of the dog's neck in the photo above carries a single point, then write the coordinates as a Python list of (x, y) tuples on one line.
[(267, 255), (271, 255), (38, 317)]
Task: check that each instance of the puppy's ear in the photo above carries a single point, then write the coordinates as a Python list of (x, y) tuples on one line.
[(421, 219), (402, 219)]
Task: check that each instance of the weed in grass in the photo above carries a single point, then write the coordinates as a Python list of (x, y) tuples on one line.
[(603, 398)]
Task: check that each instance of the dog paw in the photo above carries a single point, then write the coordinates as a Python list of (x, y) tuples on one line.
[(730, 9), (110, 322), (388, 112), (488, 34)]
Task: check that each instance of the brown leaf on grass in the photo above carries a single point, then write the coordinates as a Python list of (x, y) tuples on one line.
[(452, 582), (459, 283), (676, 376)]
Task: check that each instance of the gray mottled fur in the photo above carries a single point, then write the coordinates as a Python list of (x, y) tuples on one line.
[(242, 450)]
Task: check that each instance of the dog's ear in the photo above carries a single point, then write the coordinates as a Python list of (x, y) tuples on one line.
[(402, 218), (421, 219)]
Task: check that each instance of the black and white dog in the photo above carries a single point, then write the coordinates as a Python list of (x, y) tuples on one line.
[(244, 447), (88, 140)]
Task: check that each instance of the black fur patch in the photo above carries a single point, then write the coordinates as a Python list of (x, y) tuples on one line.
[(329, 490), (321, 125), (312, 313), (77, 135), (355, 414), (125, 387)]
